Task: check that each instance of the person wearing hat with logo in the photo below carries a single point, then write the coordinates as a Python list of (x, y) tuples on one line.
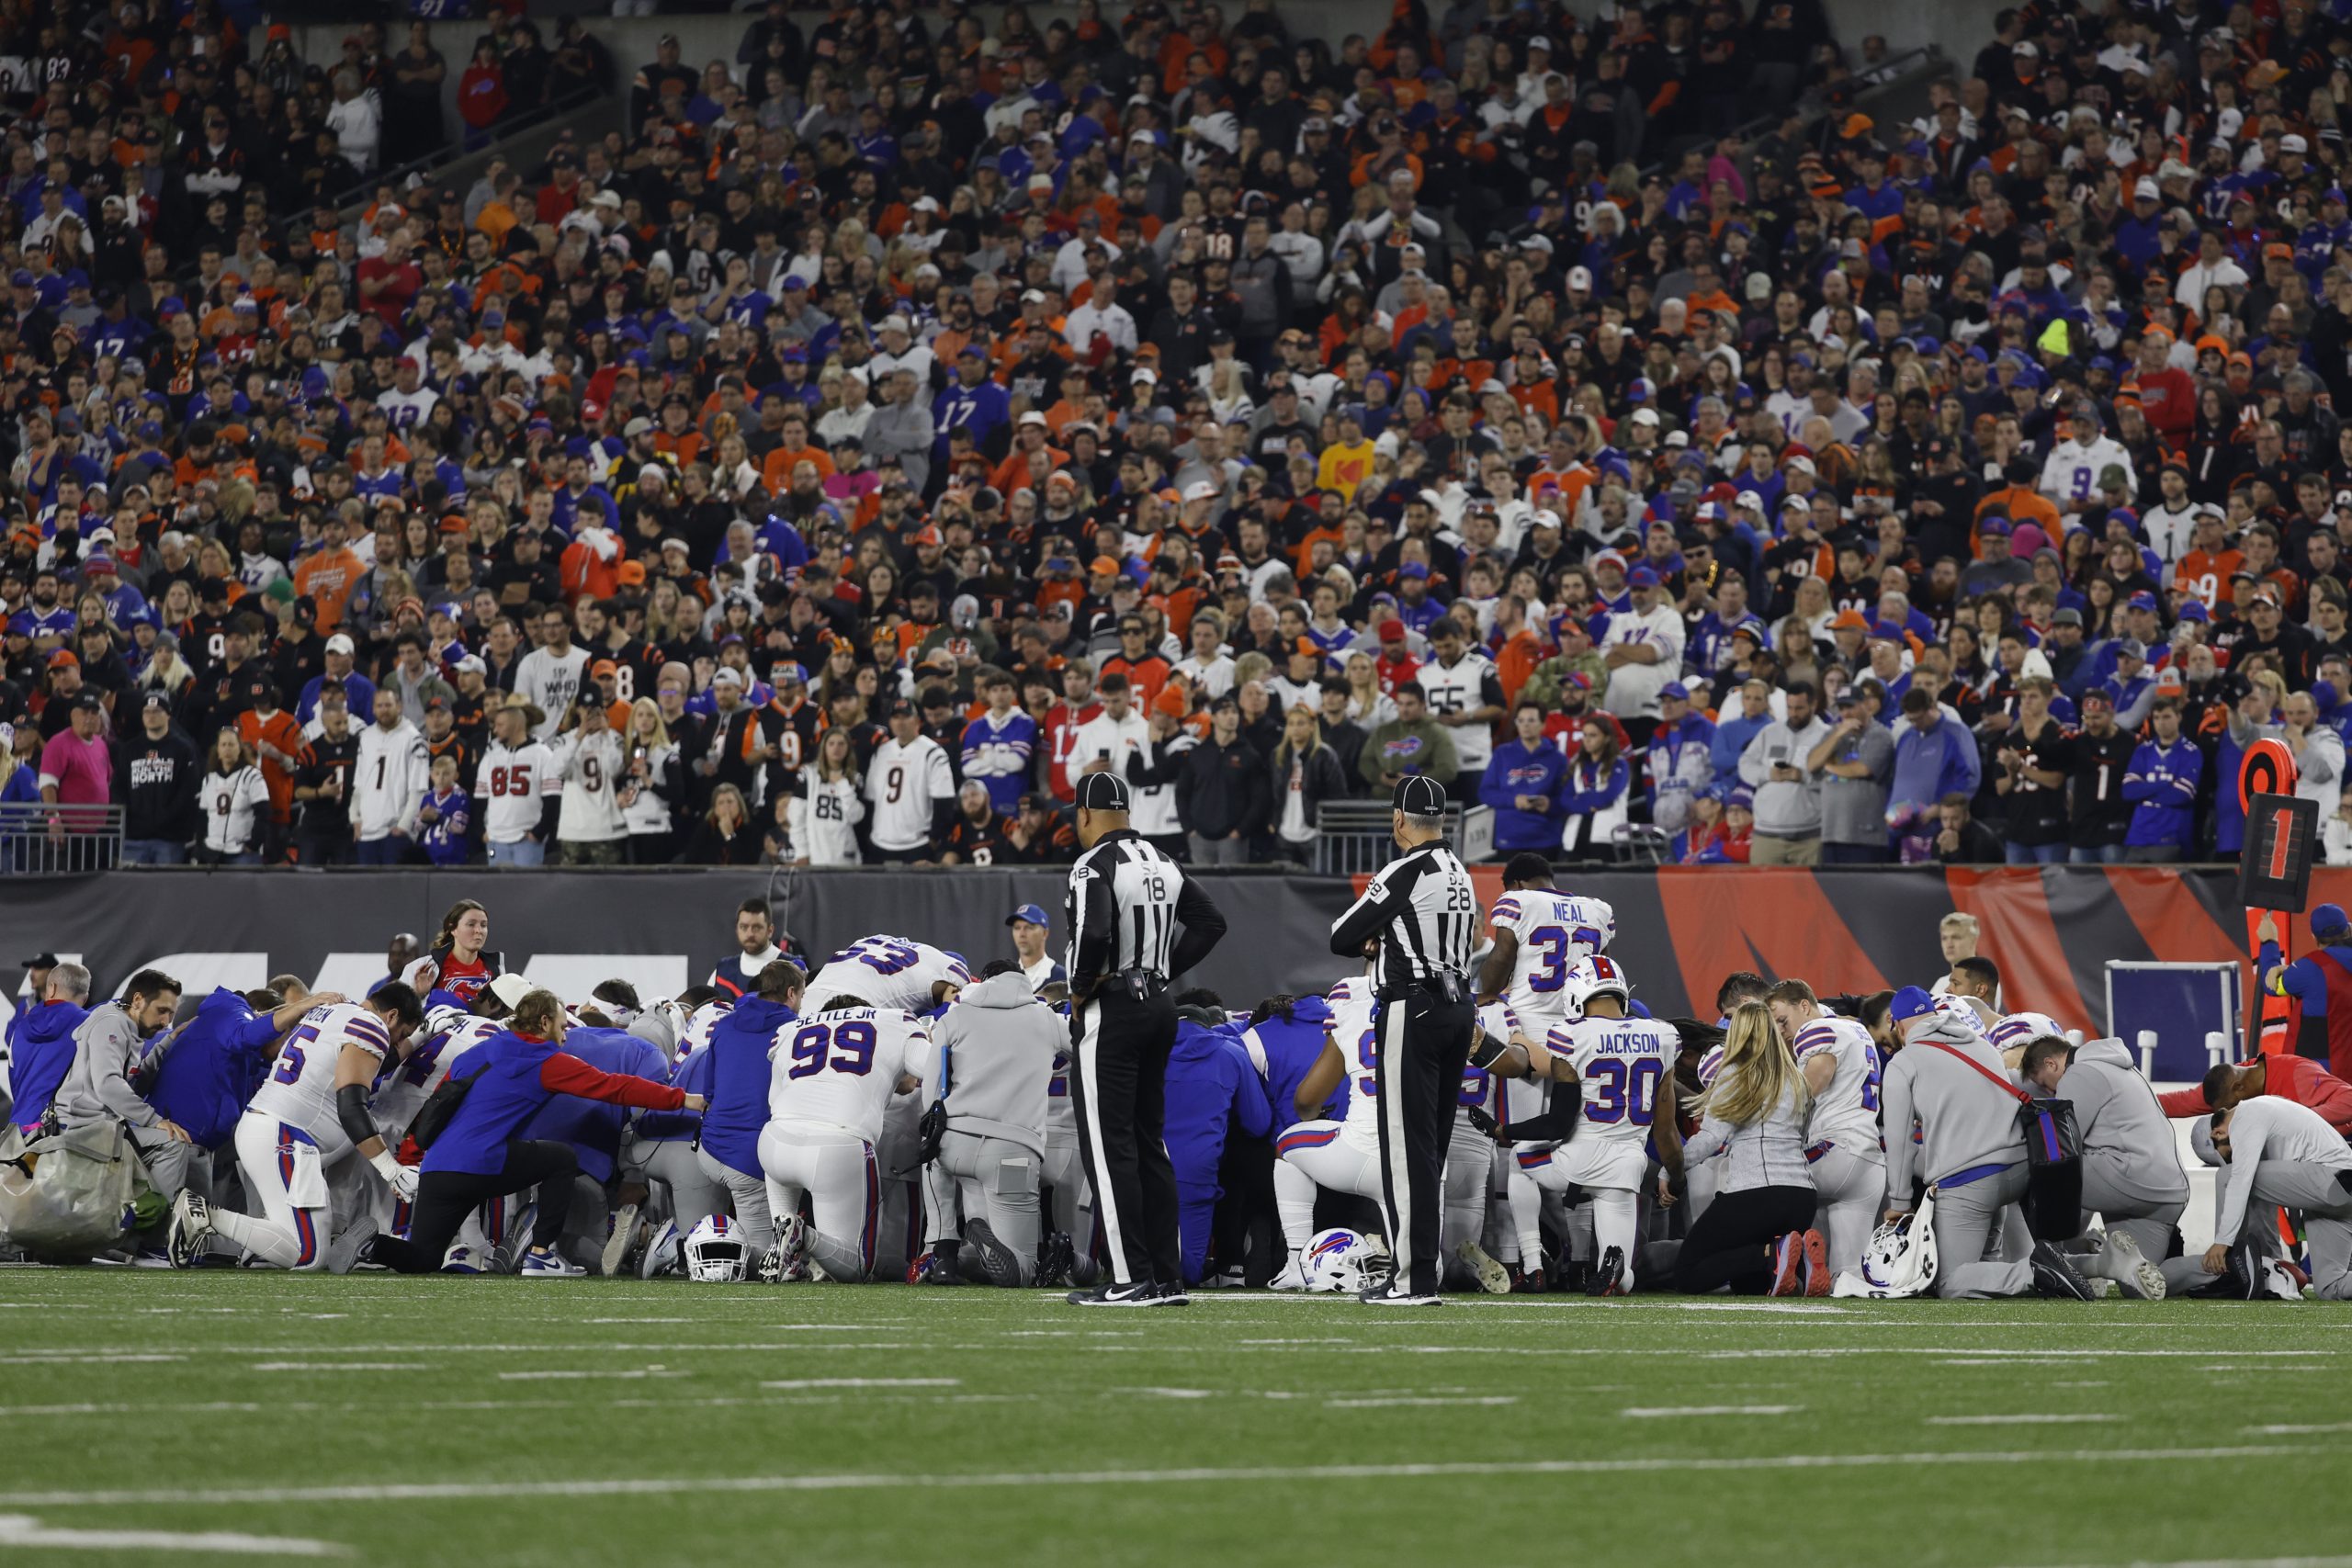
[(1126, 900), (1031, 926), (1971, 1149), (909, 791)]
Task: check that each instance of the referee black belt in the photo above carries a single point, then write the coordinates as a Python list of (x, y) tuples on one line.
[(1452, 987), (1141, 985)]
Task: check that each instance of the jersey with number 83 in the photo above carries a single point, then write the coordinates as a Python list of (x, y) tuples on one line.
[(1554, 930), (839, 1069)]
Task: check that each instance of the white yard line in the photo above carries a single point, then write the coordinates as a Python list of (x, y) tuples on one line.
[(865, 1382), (632, 1485), (577, 1376), (22, 1530), (1413, 1401), (2046, 1418), (338, 1367), (1658, 1412)]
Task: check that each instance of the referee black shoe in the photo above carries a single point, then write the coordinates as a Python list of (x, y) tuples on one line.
[(2054, 1274), (1173, 1295), (1110, 1293), (1396, 1294)]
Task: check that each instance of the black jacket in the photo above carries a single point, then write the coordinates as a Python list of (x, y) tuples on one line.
[(1222, 790)]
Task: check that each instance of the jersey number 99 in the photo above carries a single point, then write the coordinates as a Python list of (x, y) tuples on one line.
[(842, 1048)]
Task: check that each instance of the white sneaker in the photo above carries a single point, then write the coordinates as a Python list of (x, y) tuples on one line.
[(787, 1262), (2121, 1260), (550, 1265), (618, 1245), (1492, 1276), (192, 1227), (1293, 1276)]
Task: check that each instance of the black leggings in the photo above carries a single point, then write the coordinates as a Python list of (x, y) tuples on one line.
[(1731, 1244), (444, 1199)]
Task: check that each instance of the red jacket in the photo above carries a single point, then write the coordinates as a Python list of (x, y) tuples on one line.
[(2298, 1079)]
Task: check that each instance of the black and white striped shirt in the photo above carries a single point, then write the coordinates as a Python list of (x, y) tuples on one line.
[(1126, 902), (1424, 913)]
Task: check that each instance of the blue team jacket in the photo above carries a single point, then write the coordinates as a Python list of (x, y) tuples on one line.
[(593, 1127), (1211, 1087), (1292, 1050), (739, 1076), (42, 1053), (512, 1076), (214, 1066)]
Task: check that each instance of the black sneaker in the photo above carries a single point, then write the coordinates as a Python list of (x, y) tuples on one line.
[(1110, 1293), (2054, 1275), (985, 1257), (1172, 1295), (1398, 1295), (1057, 1259), (2241, 1275), (1608, 1278), (1572, 1276)]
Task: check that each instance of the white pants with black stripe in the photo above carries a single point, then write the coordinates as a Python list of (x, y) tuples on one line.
[(839, 1174)]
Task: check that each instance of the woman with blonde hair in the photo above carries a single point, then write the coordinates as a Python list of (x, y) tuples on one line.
[(653, 782), (233, 796), (821, 818), (1757, 1236)]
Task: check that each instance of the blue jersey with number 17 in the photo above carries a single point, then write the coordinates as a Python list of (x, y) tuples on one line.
[(1554, 930), (1621, 1062)]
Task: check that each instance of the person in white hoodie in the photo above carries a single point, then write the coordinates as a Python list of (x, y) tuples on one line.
[(991, 1065), (592, 830), (388, 782)]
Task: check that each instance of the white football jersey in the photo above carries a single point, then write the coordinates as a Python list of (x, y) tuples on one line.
[(402, 1093), (1623, 1062), (2019, 1028), (1554, 930), (1355, 1031), (1471, 683), (885, 972), (299, 1090), (839, 1069), (1846, 1113), (507, 787), (900, 786)]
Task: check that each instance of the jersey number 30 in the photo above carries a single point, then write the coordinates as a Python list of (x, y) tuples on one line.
[(1624, 1091)]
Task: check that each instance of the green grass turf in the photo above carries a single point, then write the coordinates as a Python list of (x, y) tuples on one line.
[(2221, 1434)]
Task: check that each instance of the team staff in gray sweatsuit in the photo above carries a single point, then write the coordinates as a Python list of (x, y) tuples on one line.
[(2132, 1175), (107, 1050), (1971, 1150), (2275, 1151), (991, 1068)]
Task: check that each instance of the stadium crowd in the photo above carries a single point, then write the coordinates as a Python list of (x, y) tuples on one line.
[(889, 1112), (1171, 394)]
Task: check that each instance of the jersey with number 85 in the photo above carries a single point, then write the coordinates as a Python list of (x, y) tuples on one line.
[(839, 1069), (299, 1090), (1622, 1062), (1554, 930)]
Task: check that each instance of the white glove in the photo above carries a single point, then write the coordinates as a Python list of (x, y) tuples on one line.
[(401, 1178)]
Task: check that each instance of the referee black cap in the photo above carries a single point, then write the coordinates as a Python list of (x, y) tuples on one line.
[(1103, 792), (1419, 796)]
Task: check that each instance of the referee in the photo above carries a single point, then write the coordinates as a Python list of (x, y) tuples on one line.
[(1126, 901), (1418, 919)]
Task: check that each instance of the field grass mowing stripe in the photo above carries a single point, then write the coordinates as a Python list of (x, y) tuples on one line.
[(428, 1490)]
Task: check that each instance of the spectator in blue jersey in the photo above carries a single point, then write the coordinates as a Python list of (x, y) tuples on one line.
[(1593, 795), (739, 1075), (1734, 731), (973, 403), (1935, 756), (1682, 758), (212, 1064), (41, 1038), (1212, 1090), (2162, 784), (478, 1153), (1522, 783), (999, 745)]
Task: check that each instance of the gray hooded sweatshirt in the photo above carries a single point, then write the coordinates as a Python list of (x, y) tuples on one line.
[(1965, 1121), (2128, 1149), (993, 1061)]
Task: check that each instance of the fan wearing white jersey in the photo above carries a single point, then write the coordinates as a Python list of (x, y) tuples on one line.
[(311, 1110), (888, 972), (1343, 1156), (1623, 1067), (835, 1075), (1843, 1150)]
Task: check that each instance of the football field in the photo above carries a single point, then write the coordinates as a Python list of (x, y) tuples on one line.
[(154, 1418)]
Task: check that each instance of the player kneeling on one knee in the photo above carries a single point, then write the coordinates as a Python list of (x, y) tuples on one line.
[(986, 1081), (833, 1076)]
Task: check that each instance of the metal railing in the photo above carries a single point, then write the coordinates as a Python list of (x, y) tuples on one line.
[(59, 841), (1352, 836)]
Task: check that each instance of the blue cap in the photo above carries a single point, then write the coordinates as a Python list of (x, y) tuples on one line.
[(2327, 920), (1641, 577), (1910, 1002), (1412, 569), (1741, 796), (1029, 912), (794, 280), (1675, 690), (2194, 610)]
